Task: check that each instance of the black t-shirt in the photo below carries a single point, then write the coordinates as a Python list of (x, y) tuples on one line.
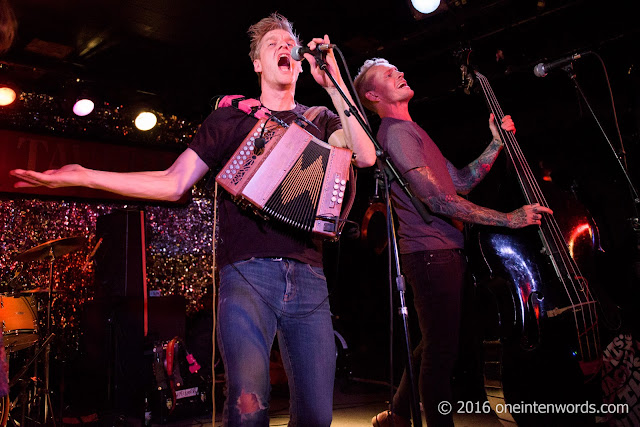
[(242, 234)]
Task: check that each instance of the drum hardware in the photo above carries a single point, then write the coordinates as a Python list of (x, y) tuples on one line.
[(39, 291), (13, 381), (8, 287), (23, 399), (48, 251)]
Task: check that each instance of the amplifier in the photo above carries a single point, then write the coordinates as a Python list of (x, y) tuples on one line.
[(177, 388)]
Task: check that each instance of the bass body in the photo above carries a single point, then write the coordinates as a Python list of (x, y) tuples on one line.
[(542, 341)]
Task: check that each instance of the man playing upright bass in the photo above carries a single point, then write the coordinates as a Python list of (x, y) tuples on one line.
[(432, 254)]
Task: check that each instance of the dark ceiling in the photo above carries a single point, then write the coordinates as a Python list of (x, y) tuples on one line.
[(184, 52)]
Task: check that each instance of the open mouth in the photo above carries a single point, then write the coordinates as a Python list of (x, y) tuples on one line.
[(402, 85), (284, 62)]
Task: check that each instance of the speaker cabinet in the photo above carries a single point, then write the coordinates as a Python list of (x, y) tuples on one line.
[(120, 321), (120, 260)]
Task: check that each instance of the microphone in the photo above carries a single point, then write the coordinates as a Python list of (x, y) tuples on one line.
[(297, 52), (542, 68)]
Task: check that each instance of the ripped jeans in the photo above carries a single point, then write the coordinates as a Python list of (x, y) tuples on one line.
[(257, 298)]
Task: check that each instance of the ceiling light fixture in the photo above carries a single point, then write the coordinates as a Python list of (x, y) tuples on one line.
[(83, 107), (7, 96), (146, 120), (425, 6)]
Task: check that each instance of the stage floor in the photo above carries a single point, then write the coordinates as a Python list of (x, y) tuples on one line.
[(354, 406)]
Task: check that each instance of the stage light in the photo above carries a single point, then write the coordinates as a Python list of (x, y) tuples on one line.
[(425, 6), (7, 96), (146, 120), (83, 107)]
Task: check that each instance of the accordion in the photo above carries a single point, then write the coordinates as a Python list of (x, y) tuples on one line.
[(288, 175)]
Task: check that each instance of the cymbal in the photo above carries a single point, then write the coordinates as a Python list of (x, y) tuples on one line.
[(56, 248), (39, 291)]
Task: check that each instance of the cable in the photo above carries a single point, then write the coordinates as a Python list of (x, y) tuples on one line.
[(390, 273), (352, 89), (613, 107)]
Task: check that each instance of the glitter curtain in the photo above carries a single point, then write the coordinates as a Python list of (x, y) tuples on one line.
[(179, 243), (179, 238)]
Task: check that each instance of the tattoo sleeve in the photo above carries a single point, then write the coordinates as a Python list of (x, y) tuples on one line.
[(467, 178), (427, 187)]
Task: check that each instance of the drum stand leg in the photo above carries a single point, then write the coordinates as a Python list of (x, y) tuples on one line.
[(48, 408), (23, 397), (47, 403)]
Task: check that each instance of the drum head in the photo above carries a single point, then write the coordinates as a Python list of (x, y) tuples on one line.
[(19, 322)]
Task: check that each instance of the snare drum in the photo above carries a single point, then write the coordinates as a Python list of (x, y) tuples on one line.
[(19, 321)]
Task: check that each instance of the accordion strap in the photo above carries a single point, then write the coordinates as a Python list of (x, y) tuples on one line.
[(251, 106), (313, 112), (254, 108)]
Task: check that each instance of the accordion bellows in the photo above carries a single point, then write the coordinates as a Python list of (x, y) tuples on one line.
[(295, 179)]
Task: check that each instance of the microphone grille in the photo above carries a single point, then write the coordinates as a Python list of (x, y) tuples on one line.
[(539, 70), (297, 54)]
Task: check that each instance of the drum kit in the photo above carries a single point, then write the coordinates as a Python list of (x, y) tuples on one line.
[(24, 331)]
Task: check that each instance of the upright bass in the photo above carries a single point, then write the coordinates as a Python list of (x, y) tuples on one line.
[(543, 341)]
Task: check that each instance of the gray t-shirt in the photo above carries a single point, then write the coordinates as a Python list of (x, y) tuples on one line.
[(409, 147)]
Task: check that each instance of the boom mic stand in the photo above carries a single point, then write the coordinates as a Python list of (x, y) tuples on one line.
[(390, 174), (635, 221)]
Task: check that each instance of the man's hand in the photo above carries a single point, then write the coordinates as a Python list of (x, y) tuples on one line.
[(527, 215), (507, 124), (332, 66), (66, 176)]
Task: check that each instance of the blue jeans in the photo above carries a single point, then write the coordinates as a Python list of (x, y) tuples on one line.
[(436, 279), (257, 298)]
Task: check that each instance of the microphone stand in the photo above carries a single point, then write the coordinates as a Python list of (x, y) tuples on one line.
[(635, 221), (390, 175)]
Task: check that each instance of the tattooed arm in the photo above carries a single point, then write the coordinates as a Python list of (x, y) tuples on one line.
[(427, 187), (467, 178)]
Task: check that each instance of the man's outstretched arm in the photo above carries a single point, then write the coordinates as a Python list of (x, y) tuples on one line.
[(169, 184)]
